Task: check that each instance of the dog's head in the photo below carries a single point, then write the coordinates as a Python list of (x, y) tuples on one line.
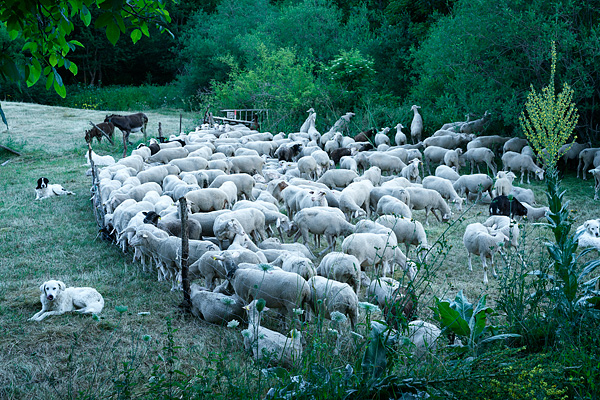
[(42, 183), (51, 289), (593, 227)]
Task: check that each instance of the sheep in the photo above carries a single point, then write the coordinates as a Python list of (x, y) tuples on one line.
[(279, 289), (407, 231), (507, 157), (480, 241), (341, 267), (389, 295), (334, 143), (391, 205), (452, 159), (271, 212), (136, 193), (164, 156), (373, 249), (424, 336), (514, 144), (373, 174), (99, 160), (411, 171), (535, 213), (204, 200), (525, 164), (596, 174), (319, 221), (508, 226), (337, 154), (434, 155), (296, 264), (400, 137), (443, 171), (243, 182), (475, 183), (429, 200), (477, 125), (215, 308), (210, 267), (570, 151), (337, 178), (355, 198), (386, 162), (308, 167), (268, 345), (491, 142), (397, 192), (478, 155), (246, 164), (416, 126), (586, 158), (294, 248), (450, 141), (504, 205), (133, 161), (251, 220), (382, 137), (443, 187), (190, 164), (329, 295), (503, 184), (348, 162), (230, 190), (172, 224), (158, 173)]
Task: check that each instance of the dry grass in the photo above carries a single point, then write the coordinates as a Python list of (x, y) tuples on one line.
[(57, 238)]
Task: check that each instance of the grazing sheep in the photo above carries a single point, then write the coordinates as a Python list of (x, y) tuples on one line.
[(429, 200), (386, 162), (392, 206), (171, 224), (270, 346), (328, 295), (536, 213), (491, 142), (416, 126), (476, 183), (190, 164), (514, 144), (480, 241), (373, 174), (504, 205), (164, 156), (523, 195), (157, 174), (411, 171), (294, 248), (372, 249), (525, 164), (443, 187), (342, 267), (337, 178), (204, 200), (407, 231), (348, 162), (443, 171), (354, 200), (586, 158), (251, 220), (452, 158), (400, 137), (397, 192), (211, 268), (570, 151), (308, 167), (477, 125), (424, 336), (391, 297), (434, 155), (296, 264), (215, 308), (508, 226), (318, 221), (243, 182), (479, 155), (99, 160), (449, 141), (246, 164)]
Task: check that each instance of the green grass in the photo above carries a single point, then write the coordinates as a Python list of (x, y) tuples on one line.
[(75, 356)]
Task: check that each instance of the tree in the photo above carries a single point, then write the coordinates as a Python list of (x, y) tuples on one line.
[(45, 26)]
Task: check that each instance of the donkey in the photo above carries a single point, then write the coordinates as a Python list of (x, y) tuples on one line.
[(127, 124)]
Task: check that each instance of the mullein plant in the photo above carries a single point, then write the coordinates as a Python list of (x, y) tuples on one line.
[(548, 122)]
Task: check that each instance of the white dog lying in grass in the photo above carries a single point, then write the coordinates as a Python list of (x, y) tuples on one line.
[(58, 299), (591, 234), (44, 189)]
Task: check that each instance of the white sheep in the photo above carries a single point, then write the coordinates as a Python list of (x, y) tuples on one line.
[(477, 125), (452, 158), (391, 205), (382, 137), (157, 174), (210, 265), (322, 221), (424, 336), (508, 226), (337, 178), (434, 155), (536, 213), (348, 162), (525, 164), (243, 182), (204, 200), (407, 231), (246, 164), (373, 174), (411, 171), (373, 249), (308, 167), (400, 137), (296, 264), (429, 200), (190, 164), (449, 141), (478, 155), (523, 195), (503, 185), (341, 267), (416, 126), (475, 183), (398, 192), (328, 296), (386, 162), (355, 198), (215, 308), (596, 174), (165, 155), (99, 160), (491, 142), (586, 159), (514, 144), (480, 241), (443, 187), (251, 220)]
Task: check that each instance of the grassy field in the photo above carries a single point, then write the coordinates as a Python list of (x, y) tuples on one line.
[(74, 356)]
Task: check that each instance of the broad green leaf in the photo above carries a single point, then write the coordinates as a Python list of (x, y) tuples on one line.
[(462, 305), (49, 81), (104, 19), (479, 322), (52, 60), (136, 35), (451, 319), (144, 28), (113, 33), (57, 77), (588, 268), (30, 46), (73, 68), (35, 71), (60, 89), (76, 43), (12, 34)]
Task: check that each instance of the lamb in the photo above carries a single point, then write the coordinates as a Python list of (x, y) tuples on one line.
[(386, 162), (280, 289), (407, 231), (514, 144), (99, 160), (443, 171), (372, 249), (210, 267), (504, 205), (243, 182), (230, 190), (503, 185), (586, 158), (392, 206), (271, 212), (251, 220), (322, 159), (318, 221), (478, 155), (400, 137), (475, 183), (342, 267), (204, 200), (411, 171), (373, 174), (525, 164), (166, 155), (334, 143), (296, 264), (355, 198), (452, 158), (508, 226), (308, 167), (337, 178), (445, 188), (416, 126), (267, 345), (536, 213), (480, 241), (328, 296), (429, 200), (133, 161), (247, 164), (215, 308)]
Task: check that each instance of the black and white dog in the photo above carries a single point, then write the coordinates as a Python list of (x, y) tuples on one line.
[(44, 189)]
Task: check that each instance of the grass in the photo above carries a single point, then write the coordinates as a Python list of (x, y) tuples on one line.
[(74, 356)]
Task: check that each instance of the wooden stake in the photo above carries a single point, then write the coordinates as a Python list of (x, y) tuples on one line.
[(185, 251)]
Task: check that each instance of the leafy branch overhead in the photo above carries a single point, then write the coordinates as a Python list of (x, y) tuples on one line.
[(44, 26)]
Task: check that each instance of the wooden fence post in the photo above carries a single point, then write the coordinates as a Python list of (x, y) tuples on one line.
[(185, 251)]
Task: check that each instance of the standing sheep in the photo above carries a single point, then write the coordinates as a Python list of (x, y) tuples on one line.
[(342, 267), (480, 241), (416, 126), (328, 296)]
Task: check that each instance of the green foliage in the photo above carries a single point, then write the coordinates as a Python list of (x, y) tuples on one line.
[(46, 26)]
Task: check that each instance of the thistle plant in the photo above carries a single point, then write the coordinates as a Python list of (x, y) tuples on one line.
[(549, 118)]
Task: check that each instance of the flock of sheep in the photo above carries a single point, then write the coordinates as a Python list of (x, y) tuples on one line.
[(238, 181)]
